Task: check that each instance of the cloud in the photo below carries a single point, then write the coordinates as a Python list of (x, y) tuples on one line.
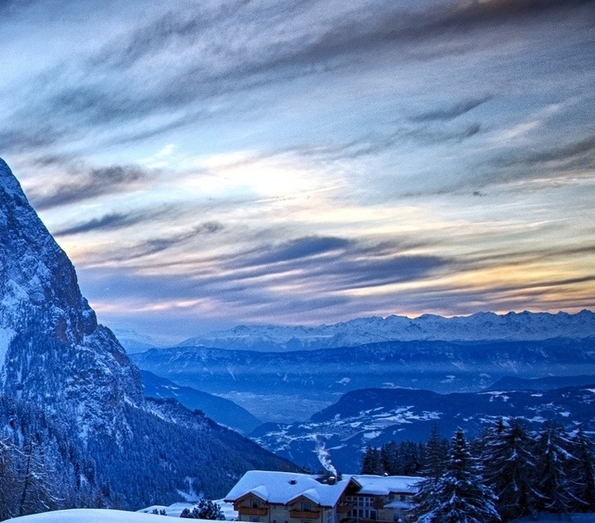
[(578, 153), (452, 111), (108, 221), (88, 184), (136, 251), (181, 58), (330, 263), (300, 248)]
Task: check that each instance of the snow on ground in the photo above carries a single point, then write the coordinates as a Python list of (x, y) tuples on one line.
[(118, 516), (83, 515)]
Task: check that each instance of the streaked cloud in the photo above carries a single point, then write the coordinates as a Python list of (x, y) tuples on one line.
[(207, 163), (88, 184)]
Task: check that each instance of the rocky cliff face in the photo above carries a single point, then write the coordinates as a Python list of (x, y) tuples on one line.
[(52, 351), (54, 356)]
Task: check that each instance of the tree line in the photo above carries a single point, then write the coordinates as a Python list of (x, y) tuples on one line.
[(508, 471)]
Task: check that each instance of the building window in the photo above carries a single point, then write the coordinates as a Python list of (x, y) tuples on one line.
[(363, 509), (306, 506)]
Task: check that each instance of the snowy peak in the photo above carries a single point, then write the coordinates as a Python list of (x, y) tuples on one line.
[(482, 326), (52, 350)]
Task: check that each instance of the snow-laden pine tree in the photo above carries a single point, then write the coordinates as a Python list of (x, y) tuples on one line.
[(508, 467), (433, 467), (553, 448), (204, 509), (583, 471), (8, 479), (459, 495)]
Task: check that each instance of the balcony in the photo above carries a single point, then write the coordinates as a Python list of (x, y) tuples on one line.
[(304, 514), (250, 511)]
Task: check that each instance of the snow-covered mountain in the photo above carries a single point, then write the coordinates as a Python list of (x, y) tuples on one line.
[(55, 355), (376, 416), (483, 326), (134, 341), (52, 351)]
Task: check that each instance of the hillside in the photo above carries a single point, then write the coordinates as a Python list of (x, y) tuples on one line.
[(218, 409)]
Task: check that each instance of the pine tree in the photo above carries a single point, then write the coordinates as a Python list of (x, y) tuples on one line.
[(436, 453), (372, 462), (458, 496), (389, 455), (9, 455), (204, 509), (583, 472), (508, 468), (35, 483), (432, 469), (555, 462)]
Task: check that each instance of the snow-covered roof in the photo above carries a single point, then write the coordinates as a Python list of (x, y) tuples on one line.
[(285, 487), (384, 485)]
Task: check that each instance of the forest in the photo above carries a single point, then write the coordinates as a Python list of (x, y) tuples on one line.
[(508, 471)]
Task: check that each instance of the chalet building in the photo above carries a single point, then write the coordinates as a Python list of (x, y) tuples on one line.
[(284, 497)]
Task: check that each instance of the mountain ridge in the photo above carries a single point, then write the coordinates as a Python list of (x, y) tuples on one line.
[(481, 326)]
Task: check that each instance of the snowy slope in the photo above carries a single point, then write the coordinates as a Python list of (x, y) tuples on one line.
[(482, 326)]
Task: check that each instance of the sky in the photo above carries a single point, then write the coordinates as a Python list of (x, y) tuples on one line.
[(207, 164)]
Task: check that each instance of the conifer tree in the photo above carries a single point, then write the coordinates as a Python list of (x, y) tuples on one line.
[(389, 454), (555, 461), (508, 467), (35, 483), (458, 496), (204, 509), (372, 462), (436, 453), (583, 472), (9, 455)]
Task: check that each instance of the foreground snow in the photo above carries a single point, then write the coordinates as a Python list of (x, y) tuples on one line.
[(119, 516), (145, 515), (83, 515)]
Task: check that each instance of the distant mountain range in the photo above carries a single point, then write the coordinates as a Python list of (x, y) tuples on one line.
[(291, 386), (483, 326), (376, 416)]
